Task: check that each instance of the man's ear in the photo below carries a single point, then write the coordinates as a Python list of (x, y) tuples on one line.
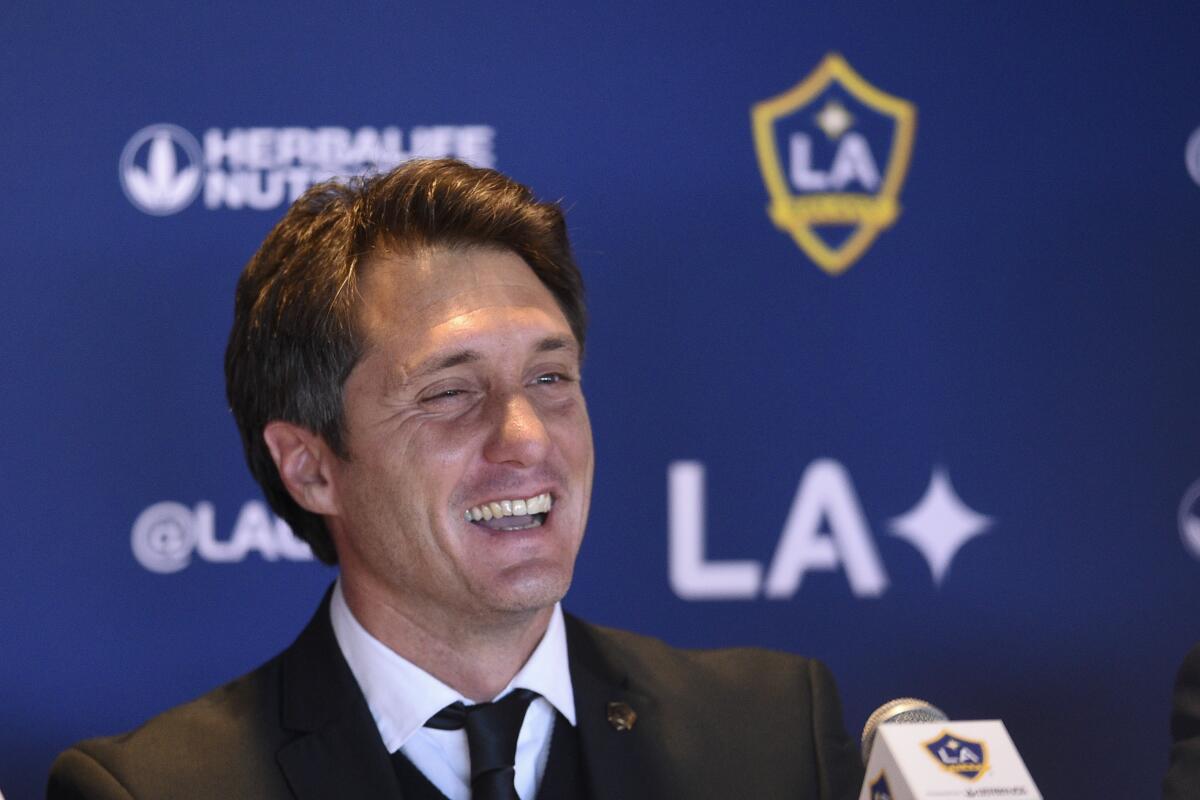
[(305, 465)]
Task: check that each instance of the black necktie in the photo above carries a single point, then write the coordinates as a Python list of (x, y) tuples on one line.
[(492, 730)]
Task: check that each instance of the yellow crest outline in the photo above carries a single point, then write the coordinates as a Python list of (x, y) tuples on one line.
[(798, 214)]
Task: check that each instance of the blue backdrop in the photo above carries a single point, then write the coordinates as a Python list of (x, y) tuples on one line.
[(956, 465)]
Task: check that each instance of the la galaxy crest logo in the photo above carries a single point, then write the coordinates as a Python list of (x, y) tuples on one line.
[(834, 152), (963, 757)]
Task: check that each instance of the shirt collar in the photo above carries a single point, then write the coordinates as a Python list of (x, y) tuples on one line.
[(402, 696)]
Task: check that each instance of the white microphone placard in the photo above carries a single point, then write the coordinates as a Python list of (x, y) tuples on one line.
[(946, 761)]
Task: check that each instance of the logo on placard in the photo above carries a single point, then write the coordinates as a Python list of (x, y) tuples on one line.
[(879, 788), (1189, 519), (963, 757), (834, 152), (164, 168), (166, 535), (1191, 156), (161, 167)]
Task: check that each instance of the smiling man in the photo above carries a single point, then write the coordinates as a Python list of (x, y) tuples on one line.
[(404, 368), (458, 513)]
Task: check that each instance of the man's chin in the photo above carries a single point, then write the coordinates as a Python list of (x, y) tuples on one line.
[(528, 589)]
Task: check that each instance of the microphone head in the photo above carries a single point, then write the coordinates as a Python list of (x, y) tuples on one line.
[(901, 710)]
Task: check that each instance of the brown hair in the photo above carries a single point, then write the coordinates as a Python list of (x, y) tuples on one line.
[(295, 340)]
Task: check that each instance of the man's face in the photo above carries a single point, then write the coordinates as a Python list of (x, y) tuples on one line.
[(467, 398)]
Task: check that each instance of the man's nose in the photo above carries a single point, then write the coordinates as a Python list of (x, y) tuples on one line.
[(518, 436)]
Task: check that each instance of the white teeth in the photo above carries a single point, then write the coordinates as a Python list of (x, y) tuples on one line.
[(539, 504)]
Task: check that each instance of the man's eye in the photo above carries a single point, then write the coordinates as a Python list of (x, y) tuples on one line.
[(443, 395), (551, 377)]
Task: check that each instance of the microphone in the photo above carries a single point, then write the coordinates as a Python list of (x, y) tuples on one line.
[(913, 751), (898, 711)]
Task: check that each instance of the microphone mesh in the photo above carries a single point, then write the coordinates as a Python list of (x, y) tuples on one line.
[(900, 710)]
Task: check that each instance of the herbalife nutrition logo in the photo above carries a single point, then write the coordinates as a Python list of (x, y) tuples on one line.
[(164, 168), (160, 169)]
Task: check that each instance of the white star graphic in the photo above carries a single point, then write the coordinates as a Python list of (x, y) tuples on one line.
[(834, 119), (939, 525)]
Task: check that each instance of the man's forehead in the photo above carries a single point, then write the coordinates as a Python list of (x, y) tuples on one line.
[(442, 308), (430, 286), (451, 357)]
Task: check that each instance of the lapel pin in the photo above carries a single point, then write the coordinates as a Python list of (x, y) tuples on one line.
[(621, 716)]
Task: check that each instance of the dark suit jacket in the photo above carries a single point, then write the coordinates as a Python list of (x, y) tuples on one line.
[(710, 724), (1183, 775)]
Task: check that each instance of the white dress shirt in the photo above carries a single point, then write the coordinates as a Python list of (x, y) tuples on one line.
[(402, 697)]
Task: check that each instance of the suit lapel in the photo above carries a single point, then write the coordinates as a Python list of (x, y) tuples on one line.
[(337, 751), (620, 764)]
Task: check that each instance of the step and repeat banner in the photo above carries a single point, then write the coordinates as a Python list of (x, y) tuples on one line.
[(893, 359)]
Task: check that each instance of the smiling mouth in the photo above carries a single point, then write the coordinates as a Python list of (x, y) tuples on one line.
[(511, 515)]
